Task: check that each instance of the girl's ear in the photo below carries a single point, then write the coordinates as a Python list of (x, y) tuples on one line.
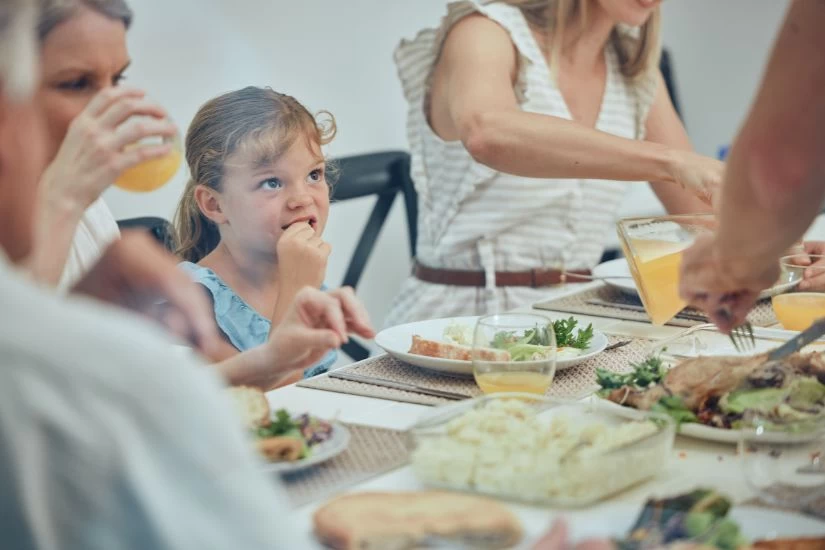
[(209, 202)]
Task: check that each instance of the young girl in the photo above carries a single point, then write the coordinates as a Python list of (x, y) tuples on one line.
[(250, 222)]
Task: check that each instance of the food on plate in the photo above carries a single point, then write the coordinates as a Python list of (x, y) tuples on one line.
[(281, 449), (457, 341), (722, 391), (400, 521), (252, 405), (457, 352), (278, 436), (698, 520), (507, 447), (694, 520)]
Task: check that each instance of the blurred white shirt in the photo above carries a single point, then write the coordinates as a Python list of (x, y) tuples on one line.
[(95, 232), (111, 440)]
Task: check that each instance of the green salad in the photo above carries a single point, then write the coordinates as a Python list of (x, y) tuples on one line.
[(536, 343)]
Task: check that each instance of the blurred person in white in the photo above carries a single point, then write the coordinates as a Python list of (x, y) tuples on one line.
[(774, 184), (84, 57), (107, 438)]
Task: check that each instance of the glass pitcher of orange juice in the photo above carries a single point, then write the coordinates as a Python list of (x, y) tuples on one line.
[(155, 173), (653, 248)]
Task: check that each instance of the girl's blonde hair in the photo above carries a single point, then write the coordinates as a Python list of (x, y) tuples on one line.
[(257, 122), (637, 54)]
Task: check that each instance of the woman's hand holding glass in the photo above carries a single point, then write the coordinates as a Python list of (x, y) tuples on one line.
[(101, 145)]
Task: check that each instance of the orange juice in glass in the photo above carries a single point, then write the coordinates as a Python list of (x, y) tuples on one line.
[(653, 248), (514, 352), (798, 310), (154, 173)]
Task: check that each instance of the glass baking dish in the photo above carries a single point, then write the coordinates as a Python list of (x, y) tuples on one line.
[(538, 450)]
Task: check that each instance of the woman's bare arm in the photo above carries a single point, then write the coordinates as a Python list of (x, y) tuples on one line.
[(473, 100), (664, 126)]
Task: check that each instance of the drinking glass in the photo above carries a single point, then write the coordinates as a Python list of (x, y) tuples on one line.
[(798, 310), (514, 352), (155, 173)]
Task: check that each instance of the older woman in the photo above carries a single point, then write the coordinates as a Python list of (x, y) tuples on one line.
[(525, 118), (83, 58)]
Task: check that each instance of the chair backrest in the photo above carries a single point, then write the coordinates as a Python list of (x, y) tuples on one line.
[(385, 175), (666, 66), (159, 228)]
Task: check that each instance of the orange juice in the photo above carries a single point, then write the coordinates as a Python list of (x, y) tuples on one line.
[(152, 174), (798, 311), (655, 268), (528, 382)]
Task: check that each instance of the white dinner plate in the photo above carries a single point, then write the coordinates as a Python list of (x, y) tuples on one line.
[(322, 452), (397, 341), (616, 273), (754, 523), (709, 433)]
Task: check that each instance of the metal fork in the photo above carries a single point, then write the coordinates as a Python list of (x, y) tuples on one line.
[(742, 338)]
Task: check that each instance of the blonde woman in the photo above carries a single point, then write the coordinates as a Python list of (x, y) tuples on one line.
[(83, 56), (526, 117)]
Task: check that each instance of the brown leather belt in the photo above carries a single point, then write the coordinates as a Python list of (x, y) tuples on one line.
[(534, 278)]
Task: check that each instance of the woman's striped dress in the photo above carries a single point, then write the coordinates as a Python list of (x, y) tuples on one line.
[(473, 217)]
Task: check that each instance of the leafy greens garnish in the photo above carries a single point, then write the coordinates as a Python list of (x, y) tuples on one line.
[(282, 424), (564, 334), (535, 342), (674, 407), (650, 371)]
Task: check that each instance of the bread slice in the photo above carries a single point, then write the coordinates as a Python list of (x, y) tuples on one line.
[(446, 350), (400, 521), (252, 406)]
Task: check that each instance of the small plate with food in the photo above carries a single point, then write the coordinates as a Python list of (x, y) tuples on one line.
[(702, 518), (711, 397), (287, 442), (446, 345)]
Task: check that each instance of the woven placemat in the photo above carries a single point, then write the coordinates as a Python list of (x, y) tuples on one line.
[(573, 383), (370, 453), (761, 316), (814, 508)]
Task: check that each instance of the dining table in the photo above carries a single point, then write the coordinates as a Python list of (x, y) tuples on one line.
[(694, 463)]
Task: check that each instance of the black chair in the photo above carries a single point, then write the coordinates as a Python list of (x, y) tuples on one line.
[(385, 175), (666, 66), (159, 228)]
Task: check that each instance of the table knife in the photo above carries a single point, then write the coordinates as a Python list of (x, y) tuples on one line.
[(799, 341), (631, 307), (397, 385)]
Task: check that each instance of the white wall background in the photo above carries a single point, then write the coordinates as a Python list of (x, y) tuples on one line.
[(337, 55)]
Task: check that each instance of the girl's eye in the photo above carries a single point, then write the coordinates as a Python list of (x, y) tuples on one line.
[(271, 183), (316, 175), (118, 79)]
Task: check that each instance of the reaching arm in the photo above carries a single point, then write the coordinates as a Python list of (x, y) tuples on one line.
[(663, 126), (473, 100), (315, 323), (775, 181)]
